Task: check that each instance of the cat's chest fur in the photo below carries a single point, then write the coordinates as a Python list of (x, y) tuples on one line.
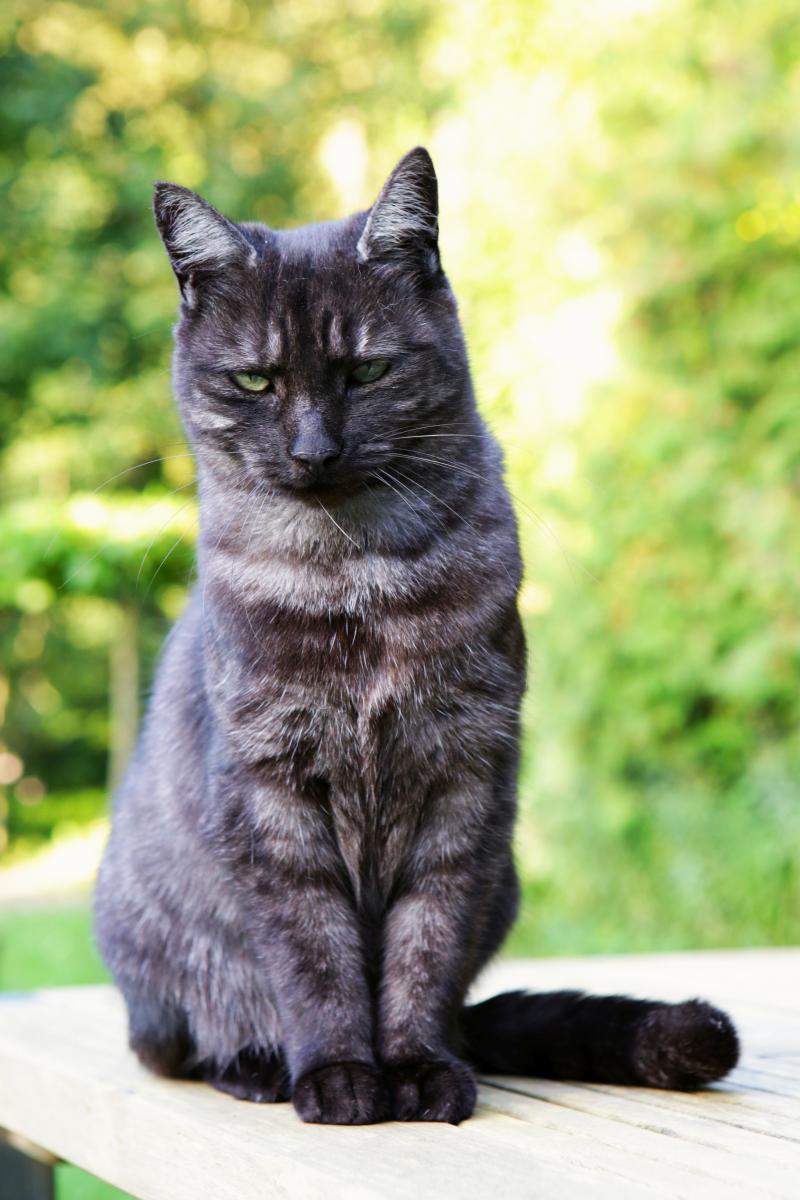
[(336, 691), (343, 680)]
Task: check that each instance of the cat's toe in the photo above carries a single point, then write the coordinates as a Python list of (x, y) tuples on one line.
[(341, 1094), (255, 1091), (258, 1076), (685, 1046), (432, 1090)]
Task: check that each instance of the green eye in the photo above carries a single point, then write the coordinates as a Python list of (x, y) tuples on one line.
[(368, 372), (250, 382)]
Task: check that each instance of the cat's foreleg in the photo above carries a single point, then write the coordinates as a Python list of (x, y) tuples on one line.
[(303, 930), (427, 935)]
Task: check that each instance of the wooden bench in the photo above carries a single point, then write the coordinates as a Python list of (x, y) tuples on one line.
[(69, 1086)]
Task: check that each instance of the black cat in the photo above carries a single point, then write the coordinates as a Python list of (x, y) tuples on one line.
[(310, 857)]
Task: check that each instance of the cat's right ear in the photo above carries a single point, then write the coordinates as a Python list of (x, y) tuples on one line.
[(200, 242)]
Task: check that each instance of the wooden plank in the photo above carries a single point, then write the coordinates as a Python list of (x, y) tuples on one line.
[(652, 1154), (774, 1064), (749, 1161), (708, 1121), (775, 1116), (68, 1083), (28, 1148), (750, 1077)]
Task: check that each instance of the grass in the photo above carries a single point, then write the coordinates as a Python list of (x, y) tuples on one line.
[(48, 947)]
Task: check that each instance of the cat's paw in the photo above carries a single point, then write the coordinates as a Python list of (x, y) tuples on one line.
[(685, 1046), (349, 1093), (254, 1075), (431, 1090)]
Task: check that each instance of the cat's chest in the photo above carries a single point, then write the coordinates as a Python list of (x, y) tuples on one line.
[(340, 668), (363, 705), (338, 696), (337, 668)]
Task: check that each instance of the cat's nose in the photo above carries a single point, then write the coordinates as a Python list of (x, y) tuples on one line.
[(314, 445), (313, 453)]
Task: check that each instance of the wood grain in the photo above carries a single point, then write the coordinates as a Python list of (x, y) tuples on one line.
[(68, 1083)]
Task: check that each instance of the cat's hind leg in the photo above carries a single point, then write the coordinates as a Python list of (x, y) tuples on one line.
[(159, 1035)]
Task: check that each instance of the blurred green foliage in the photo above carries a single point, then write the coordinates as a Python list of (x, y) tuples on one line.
[(621, 213)]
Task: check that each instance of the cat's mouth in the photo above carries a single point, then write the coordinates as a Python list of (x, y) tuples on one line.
[(321, 491)]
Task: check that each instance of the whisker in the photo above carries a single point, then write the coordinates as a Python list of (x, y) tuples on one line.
[(225, 527), (267, 493), (81, 566), (460, 516), (160, 328), (441, 462), (426, 425), (174, 545), (433, 495), (161, 529), (453, 424), (419, 437), (102, 549), (147, 463), (338, 526), (408, 483), (390, 482)]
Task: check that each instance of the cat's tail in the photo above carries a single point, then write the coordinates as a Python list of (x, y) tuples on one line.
[(602, 1039)]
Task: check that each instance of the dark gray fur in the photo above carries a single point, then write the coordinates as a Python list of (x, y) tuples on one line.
[(310, 857)]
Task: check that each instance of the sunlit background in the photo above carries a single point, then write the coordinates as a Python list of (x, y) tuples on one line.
[(620, 190)]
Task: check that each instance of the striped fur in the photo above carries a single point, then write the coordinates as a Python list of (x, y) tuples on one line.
[(310, 855)]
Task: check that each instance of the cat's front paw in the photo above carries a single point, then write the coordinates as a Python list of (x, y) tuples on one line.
[(431, 1090), (349, 1093)]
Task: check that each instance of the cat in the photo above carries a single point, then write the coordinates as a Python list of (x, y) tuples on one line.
[(310, 857)]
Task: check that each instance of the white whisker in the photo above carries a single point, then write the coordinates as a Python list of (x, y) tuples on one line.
[(147, 463), (161, 529), (174, 545), (464, 470), (338, 526)]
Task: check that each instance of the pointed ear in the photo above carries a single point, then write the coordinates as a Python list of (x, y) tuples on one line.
[(403, 223), (200, 242)]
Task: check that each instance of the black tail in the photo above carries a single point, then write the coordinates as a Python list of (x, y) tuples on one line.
[(601, 1039)]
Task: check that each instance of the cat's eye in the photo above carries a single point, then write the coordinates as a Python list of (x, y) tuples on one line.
[(249, 381), (368, 372)]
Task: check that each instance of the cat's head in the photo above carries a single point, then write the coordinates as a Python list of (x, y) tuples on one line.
[(306, 358)]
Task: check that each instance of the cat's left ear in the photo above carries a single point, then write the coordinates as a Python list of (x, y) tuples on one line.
[(403, 224), (200, 242)]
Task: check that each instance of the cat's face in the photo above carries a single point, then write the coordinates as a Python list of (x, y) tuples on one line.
[(307, 360)]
